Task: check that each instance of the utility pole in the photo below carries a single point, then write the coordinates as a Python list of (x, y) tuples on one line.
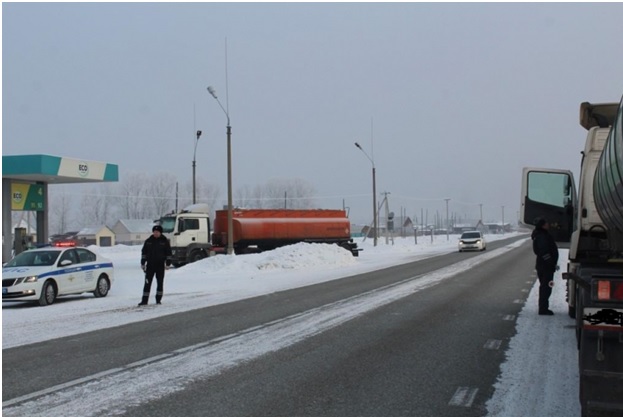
[(480, 213), (502, 219), (386, 193), (447, 220)]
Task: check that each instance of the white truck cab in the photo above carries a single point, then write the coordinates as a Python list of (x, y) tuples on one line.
[(189, 233)]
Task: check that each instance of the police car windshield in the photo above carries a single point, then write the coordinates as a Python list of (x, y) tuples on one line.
[(34, 258), (168, 224)]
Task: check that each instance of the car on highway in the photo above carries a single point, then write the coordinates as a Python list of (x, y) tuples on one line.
[(43, 274), (472, 240)]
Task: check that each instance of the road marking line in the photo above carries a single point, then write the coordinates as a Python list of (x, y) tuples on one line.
[(509, 317), (493, 344), (518, 301), (463, 397)]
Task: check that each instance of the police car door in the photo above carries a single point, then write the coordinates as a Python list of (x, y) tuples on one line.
[(89, 265), (71, 278)]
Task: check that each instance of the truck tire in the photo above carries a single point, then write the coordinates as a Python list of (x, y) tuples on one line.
[(196, 255)]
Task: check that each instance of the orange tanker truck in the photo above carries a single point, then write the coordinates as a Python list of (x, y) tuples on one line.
[(254, 230)]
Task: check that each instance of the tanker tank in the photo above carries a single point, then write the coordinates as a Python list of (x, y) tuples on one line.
[(608, 181)]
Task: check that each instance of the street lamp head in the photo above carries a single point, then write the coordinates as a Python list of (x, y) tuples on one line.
[(198, 134), (357, 145), (212, 91)]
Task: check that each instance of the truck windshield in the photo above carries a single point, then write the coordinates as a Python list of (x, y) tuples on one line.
[(168, 224)]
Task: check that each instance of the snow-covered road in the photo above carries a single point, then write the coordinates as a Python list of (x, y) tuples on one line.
[(535, 380)]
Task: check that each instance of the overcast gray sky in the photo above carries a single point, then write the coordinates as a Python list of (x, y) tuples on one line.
[(461, 96)]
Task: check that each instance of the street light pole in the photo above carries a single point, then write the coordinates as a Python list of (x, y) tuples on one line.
[(194, 166), (447, 220), (375, 220), (502, 219), (480, 214), (230, 222)]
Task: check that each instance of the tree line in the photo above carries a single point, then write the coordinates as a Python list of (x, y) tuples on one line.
[(148, 196)]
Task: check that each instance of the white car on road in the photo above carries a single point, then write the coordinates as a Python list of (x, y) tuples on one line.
[(43, 274), (472, 240)]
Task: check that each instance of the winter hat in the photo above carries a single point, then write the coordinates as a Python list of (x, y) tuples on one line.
[(157, 227), (540, 221)]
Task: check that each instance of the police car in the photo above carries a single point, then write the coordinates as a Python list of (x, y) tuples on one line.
[(43, 274)]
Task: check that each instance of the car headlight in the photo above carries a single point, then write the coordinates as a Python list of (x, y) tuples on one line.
[(32, 278)]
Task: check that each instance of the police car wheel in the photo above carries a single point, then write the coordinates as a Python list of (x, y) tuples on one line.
[(101, 290), (48, 294)]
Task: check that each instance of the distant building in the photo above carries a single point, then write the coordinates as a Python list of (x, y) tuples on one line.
[(96, 235), (132, 232), (460, 228), (498, 228)]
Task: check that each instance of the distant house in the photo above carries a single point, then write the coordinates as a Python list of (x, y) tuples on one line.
[(498, 228), (97, 235), (132, 232), (460, 228)]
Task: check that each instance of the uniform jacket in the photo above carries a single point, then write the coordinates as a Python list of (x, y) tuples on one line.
[(156, 252), (545, 249)]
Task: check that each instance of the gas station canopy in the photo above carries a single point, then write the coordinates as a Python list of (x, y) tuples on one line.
[(25, 181), (56, 170)]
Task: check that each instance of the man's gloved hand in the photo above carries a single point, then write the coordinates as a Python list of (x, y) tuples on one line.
[(557, 267), (144, 267), (551, 284)]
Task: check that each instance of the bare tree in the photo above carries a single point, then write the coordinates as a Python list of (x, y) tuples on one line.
[(288, 193), (244, 198), (207, 193), (131, 196), (96, 206), (160, 190), (60, 210)]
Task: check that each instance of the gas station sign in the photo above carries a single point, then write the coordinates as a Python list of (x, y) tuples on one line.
[(27, 197)]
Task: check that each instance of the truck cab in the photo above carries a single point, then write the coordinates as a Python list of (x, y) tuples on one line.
[(189, 233)]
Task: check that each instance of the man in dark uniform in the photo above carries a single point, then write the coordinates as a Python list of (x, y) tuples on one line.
[(546, 252), (155, 257)]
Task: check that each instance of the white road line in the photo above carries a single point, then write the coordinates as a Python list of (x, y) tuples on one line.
[(463, 397), (493, 344), (509, 317), (112, 392)]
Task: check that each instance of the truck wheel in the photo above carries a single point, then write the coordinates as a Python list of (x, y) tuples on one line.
[(48, 294), (196, 255)]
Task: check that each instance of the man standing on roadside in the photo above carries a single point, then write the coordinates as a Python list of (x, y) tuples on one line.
[(546, 252), (155, 258)]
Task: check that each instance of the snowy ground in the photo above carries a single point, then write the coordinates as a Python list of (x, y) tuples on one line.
[(536, 379)]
